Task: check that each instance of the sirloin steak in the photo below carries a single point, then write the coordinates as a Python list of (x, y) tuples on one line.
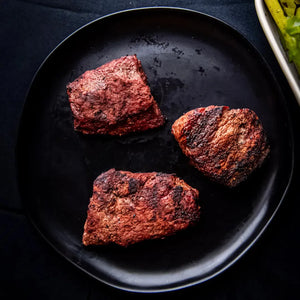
[(127, 208), (224, 144), (114, 99)]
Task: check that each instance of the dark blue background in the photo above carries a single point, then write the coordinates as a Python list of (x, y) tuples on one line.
[(30, 269)]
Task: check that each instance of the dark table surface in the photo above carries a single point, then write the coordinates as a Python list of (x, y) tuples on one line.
[(30, 268)]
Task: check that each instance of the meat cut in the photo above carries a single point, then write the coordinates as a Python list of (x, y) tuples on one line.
[(224, 144), (127, 208), (114, 99)]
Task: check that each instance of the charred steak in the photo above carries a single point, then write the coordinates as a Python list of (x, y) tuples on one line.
[(126, 207), (224, 144), (114, 99)]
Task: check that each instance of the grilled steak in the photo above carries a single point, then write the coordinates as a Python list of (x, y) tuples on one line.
[(114, 99), (224, 144), (131, 207)]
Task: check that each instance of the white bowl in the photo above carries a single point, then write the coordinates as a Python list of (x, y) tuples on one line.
[(270, 29)]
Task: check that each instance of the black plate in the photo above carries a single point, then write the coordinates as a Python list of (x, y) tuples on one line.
[(191, 60)]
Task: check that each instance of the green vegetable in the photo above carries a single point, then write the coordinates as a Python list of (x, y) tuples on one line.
[(293, 30), (286, 14), (289, 6)]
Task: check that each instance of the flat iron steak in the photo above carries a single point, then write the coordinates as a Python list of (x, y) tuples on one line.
[(114, 99), (127, 208), (224, 144)]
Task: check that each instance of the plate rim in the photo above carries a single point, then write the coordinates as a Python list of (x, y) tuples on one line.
[(249, 245)]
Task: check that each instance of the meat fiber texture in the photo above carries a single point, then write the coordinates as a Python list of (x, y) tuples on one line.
[(224, 144), (127, 208), (114, 99)]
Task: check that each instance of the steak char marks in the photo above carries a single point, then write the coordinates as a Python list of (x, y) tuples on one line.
[(127, 208), (114, 99), (224, 144)]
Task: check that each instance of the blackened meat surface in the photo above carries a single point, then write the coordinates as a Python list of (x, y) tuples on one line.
[(127, 208), (114, 99), (224, 144)]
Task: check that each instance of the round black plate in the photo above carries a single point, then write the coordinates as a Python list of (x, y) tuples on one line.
[(191, 60)]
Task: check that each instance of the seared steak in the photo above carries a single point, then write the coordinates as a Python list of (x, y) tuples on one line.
[(114, 99), (224, 144), (131, 207)]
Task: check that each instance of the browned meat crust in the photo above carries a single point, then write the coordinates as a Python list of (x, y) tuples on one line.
[(224, 144), (114, 99), (131, 207)]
